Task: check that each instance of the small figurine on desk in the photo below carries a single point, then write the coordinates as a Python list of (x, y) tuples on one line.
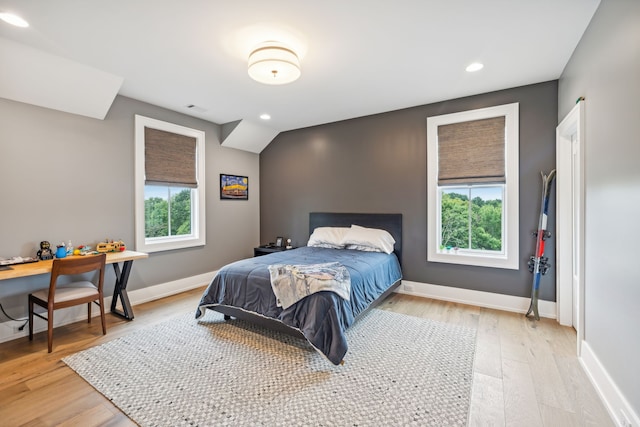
[(289, 244), (45, 251)]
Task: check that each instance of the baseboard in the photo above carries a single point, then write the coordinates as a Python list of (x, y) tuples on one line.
[(162, 290), (615, 402), (8, 330), (477, 298), (445, 293)]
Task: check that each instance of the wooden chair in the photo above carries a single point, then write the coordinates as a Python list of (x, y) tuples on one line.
[(68, 295)]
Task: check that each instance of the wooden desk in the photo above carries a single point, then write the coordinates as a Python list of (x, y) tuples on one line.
[(114, 258)]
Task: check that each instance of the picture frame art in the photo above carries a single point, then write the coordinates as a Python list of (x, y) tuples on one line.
[(234, 187)]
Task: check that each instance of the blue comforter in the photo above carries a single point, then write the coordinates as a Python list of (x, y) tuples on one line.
[(322, 317)]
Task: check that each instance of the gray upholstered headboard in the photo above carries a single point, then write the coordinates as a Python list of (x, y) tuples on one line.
[(390, 222)]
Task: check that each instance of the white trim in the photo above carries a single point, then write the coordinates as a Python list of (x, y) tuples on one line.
[(609, 393), (162, 290), (477, 298), (511, 258), (445, 293), (79, 313), (566, 213), (199, 230)]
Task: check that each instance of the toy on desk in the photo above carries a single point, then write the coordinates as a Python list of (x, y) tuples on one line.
[(111, 246), (83, 250), (45, 251), (61, 251)]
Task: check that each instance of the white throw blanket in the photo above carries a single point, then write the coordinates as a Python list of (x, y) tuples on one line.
[(291, 283)]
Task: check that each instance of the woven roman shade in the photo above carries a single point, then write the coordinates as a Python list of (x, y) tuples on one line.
[(170, 158), (472, 152)]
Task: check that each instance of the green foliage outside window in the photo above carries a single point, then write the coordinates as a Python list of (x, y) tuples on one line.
[(475, 224), (157, 218)]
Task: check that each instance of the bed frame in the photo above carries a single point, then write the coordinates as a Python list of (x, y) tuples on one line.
[(390, 222)]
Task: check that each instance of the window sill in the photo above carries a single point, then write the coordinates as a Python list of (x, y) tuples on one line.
[(492, 261), (169, 244)]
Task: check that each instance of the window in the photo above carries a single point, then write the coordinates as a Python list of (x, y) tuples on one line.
[(169, 186), (472, 184)]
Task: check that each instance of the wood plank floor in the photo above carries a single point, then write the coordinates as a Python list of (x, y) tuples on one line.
[(526, 372)]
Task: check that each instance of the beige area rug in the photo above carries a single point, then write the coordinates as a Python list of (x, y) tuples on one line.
[(399, 370)]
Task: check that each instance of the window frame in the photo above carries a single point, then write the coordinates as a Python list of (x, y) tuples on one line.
[(198, 223), (510, 258)]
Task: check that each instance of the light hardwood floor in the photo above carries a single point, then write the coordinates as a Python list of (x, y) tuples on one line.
[(525, 373)]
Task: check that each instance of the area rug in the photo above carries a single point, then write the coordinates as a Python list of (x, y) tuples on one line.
[(399, 370)]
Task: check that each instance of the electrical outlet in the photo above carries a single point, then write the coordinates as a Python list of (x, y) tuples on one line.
[(16, 330), (624, 419)]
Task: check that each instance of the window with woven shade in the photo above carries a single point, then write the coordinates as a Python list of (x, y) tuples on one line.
[(169, 186), (472, 182)]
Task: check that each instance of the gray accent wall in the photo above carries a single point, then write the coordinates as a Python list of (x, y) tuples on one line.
[(379, 164), (605, 69), (68, 177)]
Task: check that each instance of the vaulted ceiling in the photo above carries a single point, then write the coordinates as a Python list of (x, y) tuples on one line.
[(358, 57)]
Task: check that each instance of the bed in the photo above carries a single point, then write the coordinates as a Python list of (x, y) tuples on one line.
[(243, 289)]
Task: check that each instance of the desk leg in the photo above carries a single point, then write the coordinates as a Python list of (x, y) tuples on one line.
[(120, 290)]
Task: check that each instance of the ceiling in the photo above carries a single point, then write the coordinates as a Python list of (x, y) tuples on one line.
[(358, 57)]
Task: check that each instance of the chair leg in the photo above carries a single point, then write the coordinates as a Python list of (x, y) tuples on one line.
[(30, 318), (102, 318), (50, 329), (89, 312)]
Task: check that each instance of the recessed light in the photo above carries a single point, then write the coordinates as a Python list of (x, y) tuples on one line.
[(476, 66), (12, 19), (265, 116)]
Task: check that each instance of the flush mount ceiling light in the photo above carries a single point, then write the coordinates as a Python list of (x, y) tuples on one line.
[(12, 19), (273, 63)]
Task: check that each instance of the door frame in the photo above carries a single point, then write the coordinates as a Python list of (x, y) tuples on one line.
[(572, 124)]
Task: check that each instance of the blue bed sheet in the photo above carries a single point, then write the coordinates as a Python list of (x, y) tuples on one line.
[(322, 317)]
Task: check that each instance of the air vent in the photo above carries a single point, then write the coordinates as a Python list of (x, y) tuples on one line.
[(196, 108)]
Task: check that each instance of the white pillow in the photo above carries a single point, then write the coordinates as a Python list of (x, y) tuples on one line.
[(372, 238), (328, 237)]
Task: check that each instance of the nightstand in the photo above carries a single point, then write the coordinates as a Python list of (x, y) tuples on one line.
[(264, 250)]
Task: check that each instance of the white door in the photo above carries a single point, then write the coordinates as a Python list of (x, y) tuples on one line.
[(570, 221)]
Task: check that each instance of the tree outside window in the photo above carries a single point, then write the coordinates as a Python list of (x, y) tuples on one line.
[(471, 218), (168, 211)]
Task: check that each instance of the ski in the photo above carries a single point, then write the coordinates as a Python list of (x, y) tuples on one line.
[(539, 264)]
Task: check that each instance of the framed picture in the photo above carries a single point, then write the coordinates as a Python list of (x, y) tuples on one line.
[(279, 242), (234, 187)]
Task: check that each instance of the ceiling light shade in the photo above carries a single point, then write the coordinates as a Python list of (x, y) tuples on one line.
[(274, 64)]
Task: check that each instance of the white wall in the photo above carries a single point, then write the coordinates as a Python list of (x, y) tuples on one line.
[(605, 69)]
